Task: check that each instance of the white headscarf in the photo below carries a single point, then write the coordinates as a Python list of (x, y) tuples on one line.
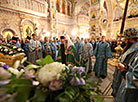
[(70, 43)]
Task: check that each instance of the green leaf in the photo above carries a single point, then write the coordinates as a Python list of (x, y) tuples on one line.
[(69, 95), (22, 87), (63, 99), (39, 96), (13, 76), (48, 59), (43, 61), (32, 66), (40, 62)]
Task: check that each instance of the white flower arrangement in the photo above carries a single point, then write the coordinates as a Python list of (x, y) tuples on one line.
[(50, 72), (11, 52), (5, 50), (19, 49), (23, 60), (4, 74), (14, 47), (2, 63), (16, 72), (16, 64)]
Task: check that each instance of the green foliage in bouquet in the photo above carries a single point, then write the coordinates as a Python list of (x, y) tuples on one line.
[(55, 82), (72, 86), (43, 61), (22, 88)]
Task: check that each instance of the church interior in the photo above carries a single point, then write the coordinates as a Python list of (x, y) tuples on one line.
[(75, 17), (49, 20)]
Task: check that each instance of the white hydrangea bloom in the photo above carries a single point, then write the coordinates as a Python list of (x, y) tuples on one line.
[(50, 72)]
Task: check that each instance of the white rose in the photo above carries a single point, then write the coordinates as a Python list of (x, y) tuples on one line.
[(11, 52), (11, 70), (23, 60), (0, 47), (8, 44), (35, 83), (19, 73), (19, 49), (5, 50), (16, 64), (32, 66), (2, 63), (14, 47), (15, 71)]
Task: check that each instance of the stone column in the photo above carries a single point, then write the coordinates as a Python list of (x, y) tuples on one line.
[(13, 2), (66, 8), (21, 31), (60, 6)]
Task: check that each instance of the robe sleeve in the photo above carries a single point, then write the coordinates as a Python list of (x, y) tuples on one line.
[(82, 50), (108, 51), (80, 47), (132, 75), (31, 45), (90, 50), (96, 50), (39, 45)]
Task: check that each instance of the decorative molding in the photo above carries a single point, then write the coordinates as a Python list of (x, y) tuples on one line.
[(35, 7)]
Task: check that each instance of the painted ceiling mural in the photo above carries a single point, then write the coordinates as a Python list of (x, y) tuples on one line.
[(82, 7), (119, 5)]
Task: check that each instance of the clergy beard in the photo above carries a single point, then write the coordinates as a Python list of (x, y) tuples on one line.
[(128, 45)]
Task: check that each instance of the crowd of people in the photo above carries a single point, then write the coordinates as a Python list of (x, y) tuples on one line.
[(79, 52), (76, 52)]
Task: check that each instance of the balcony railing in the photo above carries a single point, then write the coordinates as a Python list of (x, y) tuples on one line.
[(34, 5)]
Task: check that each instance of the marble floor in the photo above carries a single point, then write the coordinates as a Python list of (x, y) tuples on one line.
[(106, 83)]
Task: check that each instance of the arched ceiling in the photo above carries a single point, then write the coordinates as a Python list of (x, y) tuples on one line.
[(82, 7)]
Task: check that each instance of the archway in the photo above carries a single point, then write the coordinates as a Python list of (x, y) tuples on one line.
[(27, 28), (8, 34)]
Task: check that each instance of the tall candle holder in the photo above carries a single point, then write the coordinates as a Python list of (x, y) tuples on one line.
[(118, 49)]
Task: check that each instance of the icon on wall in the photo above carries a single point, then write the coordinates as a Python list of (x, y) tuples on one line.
[(8, 35), (28, 31)]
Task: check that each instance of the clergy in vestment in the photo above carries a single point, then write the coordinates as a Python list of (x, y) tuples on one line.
[(78, 45), (61, 57), (67, 52), (86, 53), (128, 67), (34, 47), (54, 49), (47, 50), (26, 46), (102, 53)]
